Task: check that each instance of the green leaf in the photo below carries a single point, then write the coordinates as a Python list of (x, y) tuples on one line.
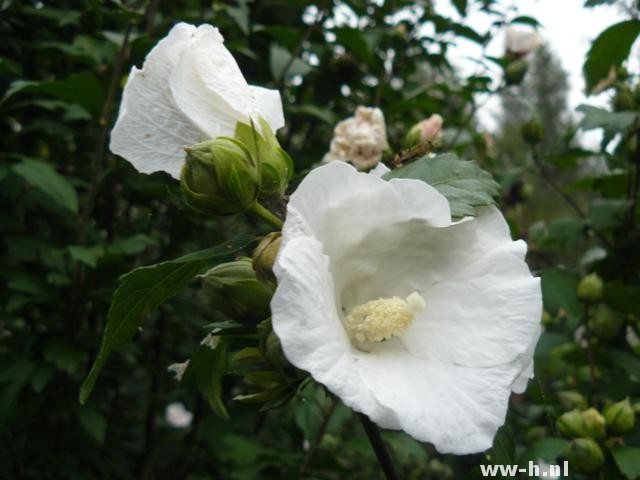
[(462, 182), (354, 41), (526, 20), (44, 176), (324, 114), (144, 289), (613, 122), (502, 451), (625, 361), (461, 6), (559, 291), (87, 255), (205, 371), (628, 461), (282, 64), (93, 422), (81, 88), (609, 50), (547, 449)]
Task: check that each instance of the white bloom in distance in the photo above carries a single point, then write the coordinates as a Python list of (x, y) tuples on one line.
[(190, 89), (359, 140), (178, 416), (422, 324), (522, 42)]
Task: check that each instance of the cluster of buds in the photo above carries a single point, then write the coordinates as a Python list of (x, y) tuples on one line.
[(226, 175), (588, 430)]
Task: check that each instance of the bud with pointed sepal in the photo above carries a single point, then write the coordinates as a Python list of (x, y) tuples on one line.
[(427, 130), (620, 417), (532, 131), (264, 256), (276, 166), (584, 455), (575, 423), (220, 177), (515, 71), (234, 290), (571, 399), (605, 323), (590, 288)]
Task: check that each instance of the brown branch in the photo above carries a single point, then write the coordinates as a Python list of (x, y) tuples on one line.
[(378, 447)]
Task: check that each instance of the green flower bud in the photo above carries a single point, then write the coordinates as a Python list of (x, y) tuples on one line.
[(594, 423), (590, 288), (264, 256), (605, 322), (276, 166), (220, 177), (581, 424), (623, 100), (234, 290), (584, 455), (427, 130), (515, 71), (532, 131), (571, 424), (620, 417), (572, 400)]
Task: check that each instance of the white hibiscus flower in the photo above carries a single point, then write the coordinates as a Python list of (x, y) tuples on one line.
[(190, 89), (422, 324)]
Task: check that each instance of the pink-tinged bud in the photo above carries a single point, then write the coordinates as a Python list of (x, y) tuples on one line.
[(427, 130)]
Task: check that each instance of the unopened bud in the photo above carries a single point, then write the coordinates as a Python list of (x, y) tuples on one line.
[(515, 71), (584, 455), (590, 288), (575, 423), (276, 166), (234, 290), (571, 424), (264, 256), (605, 322), (623, 100), (220, 177), (620, 417), (572, 400), (594, 423), (427, 130), (532, 131)]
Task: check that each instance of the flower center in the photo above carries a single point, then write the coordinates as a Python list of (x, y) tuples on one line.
[(380, 319)]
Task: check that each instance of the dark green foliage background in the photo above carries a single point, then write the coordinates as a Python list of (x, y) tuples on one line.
[(74, 218)]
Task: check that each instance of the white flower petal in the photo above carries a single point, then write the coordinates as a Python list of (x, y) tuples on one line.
[(458, 409), (151, 131), (310, 330), (208, 86), (268, 103)]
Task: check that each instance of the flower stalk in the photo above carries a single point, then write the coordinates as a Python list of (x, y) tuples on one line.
[(378, 447), (266, 215)]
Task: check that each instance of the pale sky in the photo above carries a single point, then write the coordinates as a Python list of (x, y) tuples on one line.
[(567, 26)]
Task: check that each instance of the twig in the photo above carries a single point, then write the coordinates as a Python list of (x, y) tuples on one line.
[(318, 439), (378, 447), (322, 15), (634, 186), (103, 123), (565, 196)]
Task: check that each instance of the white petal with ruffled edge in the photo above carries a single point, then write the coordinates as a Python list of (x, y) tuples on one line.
[(151, 131), (448, 378)]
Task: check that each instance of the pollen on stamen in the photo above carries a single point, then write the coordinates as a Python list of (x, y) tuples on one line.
[(381, 319)]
